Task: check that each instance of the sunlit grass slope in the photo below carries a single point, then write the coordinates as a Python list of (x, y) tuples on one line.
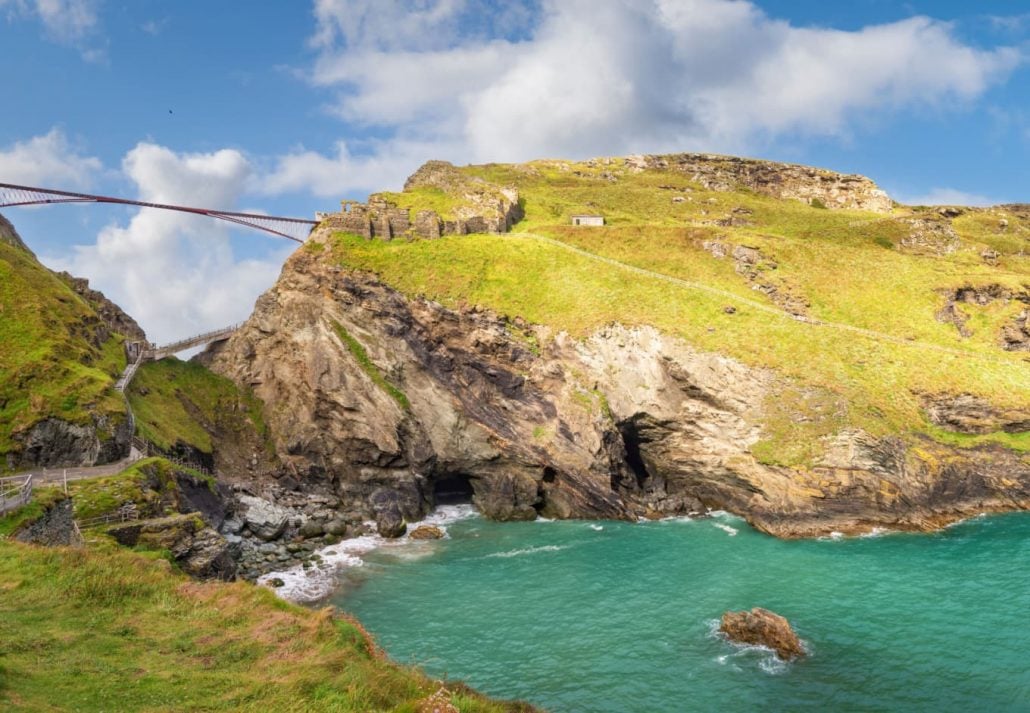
[(872, 347), (113, 630), (183, 402), (50, 365)]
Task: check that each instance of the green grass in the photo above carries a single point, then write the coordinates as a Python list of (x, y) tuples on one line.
[(104, 630), (361, 356), (50, 362), (425, 198), (150, 484), (183, 402), (836, 260)]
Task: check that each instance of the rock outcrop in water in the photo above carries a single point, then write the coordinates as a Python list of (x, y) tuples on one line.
[(393, 402), (762, 627)]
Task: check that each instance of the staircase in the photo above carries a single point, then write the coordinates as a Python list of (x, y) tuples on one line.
[(130, 371)]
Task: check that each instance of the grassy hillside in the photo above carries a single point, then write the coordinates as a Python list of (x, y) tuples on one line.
[(103, 630), (870, 349), (56, 360), (183, 402)]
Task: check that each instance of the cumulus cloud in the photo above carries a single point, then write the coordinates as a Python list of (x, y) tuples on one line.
[(593, 77), (49, 161), (948, 196), (176, 273), (68, 22)]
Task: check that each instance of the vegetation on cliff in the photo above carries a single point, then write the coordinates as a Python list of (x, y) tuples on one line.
[(183, 403), (846, 304), (57, 357)]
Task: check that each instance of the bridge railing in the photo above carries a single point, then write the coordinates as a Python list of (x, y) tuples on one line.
[(193, 341), (15, 491)]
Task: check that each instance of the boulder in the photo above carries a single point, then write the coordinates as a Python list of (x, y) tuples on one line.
[(265, 520), (311, 528), (198, 549), (390, 507), (426, 532), (336, 527), (764, 628), (390, 523)]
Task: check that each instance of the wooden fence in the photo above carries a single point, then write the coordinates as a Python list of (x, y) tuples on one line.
[(15, 491)]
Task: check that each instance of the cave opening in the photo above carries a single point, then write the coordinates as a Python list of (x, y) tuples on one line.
[(453, 489), (631, 440)]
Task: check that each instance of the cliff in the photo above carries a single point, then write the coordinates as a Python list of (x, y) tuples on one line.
[(60, 355), (397, 402)]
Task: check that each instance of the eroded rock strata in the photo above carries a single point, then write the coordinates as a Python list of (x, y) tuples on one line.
[(395, 404)]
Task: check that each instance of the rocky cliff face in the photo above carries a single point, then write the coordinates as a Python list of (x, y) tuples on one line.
[(779, 180), (398, 404), (113, 316)]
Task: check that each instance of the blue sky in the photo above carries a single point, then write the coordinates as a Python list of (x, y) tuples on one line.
[(288, 107)]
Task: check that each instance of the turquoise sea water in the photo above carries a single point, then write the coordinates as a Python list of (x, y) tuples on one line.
[(604, 616)]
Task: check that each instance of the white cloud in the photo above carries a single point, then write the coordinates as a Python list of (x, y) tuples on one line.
[(948, 196), (176, 273), (74, 23), (381, 166), (596, 77), (67, 20), (48, 161)]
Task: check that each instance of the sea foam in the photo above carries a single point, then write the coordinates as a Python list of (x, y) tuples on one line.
[(530, 551), (320, 578)]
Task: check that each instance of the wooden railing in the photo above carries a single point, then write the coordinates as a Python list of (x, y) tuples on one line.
[(111, 517), (15, 491)]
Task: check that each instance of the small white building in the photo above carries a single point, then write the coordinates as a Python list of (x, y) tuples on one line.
[(588, 220)]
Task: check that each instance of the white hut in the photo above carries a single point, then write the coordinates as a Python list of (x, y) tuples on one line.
[(588, 220)]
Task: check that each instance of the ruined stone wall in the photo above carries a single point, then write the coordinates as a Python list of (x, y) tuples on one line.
[(815, 186), (381, 219)]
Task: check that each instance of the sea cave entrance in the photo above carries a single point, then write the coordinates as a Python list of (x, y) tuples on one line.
[(453, 489)]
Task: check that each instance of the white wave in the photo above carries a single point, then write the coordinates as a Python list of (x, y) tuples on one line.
[(530, 551), (834, 536), (723, 515), (319, 579), (876, 532), (447, 514), (597, 528), (731, 531), (971, 518)]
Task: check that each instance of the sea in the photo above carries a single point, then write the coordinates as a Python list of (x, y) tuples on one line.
[(617, 616)]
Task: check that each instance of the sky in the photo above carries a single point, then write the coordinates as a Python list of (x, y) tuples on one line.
[(287, 107)]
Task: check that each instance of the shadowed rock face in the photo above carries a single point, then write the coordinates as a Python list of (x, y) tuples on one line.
[(55, 527), (198, 549), (625, 423), (762, 627)]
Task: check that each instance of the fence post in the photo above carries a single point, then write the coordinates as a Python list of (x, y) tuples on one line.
[(65, 481)]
